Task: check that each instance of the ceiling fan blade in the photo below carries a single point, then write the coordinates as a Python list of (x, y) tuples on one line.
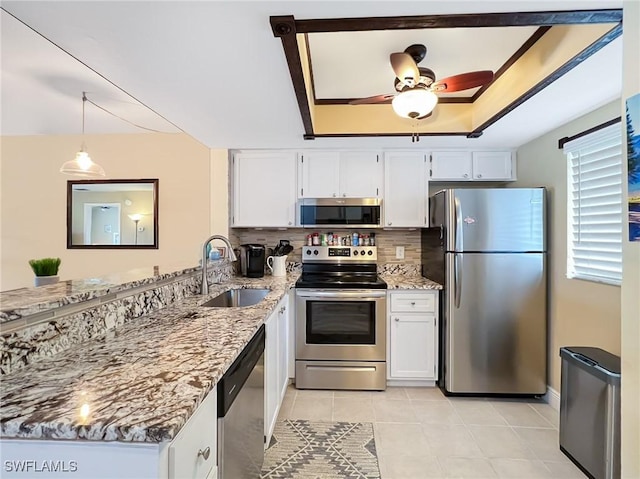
[(371, 99), (405, 68), (463, 81)]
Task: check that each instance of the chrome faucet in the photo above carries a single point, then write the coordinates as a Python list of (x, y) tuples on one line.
[(231, 256)]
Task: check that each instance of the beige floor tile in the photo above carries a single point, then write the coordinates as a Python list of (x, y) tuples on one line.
[(548, 413), (425, 394), (451, 440), (466, 468), (435, 412), (394, 439), (286, 407), (312, 408), (353, 409), (564, 470), (394, 410), (354, 394), (543, 442), (521, 468), (389, 393), (500, 441), (314, 393), (520, 414), (478, 412), (409, 467)]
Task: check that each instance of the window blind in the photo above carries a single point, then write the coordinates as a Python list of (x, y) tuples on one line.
[(595, 206)]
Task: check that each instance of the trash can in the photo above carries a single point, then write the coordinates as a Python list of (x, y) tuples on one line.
[(590, 410)]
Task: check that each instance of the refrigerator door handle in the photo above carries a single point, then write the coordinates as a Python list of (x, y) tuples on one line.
[(458, 223), (457, 279)]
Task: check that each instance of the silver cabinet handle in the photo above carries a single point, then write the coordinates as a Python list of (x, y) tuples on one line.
[(290, 223), (479, 176), (389, 223), (466, 175), (344, 195), (334, 195), (205, 454), (397, 319)]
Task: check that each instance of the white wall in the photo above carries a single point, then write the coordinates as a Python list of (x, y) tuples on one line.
[(33, 201), (581, 313), (631, 274)]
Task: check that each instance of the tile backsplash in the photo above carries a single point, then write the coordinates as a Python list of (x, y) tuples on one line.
[(386, 240)]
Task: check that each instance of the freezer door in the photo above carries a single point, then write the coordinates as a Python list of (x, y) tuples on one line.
[(495, 335), (496, 220)]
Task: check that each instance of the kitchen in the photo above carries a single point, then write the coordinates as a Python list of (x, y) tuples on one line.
[(182, 233)]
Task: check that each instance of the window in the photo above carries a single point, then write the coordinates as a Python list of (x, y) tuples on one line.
[(595, 206)]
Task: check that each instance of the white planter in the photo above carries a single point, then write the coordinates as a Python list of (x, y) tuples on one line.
[(43, 280)]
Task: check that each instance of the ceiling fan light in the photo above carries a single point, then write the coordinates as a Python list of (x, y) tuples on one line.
[(82, 165), (414, 103)]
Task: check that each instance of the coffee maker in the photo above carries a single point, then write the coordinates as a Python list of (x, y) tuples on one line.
[(252, 260)]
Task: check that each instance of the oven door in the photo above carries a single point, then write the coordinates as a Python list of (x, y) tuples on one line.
[(340, 324)]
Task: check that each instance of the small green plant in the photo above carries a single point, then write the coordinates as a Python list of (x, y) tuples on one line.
[(45, 266)]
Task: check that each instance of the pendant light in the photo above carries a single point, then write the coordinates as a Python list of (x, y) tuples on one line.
[(82, 165)]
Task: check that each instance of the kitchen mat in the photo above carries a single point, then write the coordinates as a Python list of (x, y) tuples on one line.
[(302, 449)]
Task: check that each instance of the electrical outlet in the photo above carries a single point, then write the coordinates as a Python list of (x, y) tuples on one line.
[(399, 252)]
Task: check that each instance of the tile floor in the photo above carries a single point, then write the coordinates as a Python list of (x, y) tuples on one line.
[(420, 433)]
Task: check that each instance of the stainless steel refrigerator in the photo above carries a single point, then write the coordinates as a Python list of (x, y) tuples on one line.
[(488, 248)]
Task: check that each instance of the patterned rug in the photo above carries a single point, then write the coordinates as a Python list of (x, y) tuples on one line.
[(321, 450)]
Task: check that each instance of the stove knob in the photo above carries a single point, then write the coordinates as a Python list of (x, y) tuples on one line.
[(355, 253), (370, 252), (315, 251), (308, 251), (362, 252)]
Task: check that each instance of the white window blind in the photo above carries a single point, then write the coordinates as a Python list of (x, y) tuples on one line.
[(595, 206)]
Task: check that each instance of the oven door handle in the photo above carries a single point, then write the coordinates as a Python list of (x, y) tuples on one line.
[(341, 294)]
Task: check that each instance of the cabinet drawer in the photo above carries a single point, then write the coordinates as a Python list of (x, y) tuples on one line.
[(405, 303), (196, 440)]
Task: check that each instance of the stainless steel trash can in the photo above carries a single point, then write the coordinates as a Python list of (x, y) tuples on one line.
[(590, 410)]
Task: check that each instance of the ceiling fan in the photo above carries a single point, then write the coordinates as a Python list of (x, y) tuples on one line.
[(417, 86)]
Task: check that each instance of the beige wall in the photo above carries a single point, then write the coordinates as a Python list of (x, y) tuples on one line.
[(631, 274), (581, 313), (33, 201)]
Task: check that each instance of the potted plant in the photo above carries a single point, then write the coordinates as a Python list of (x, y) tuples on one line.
[(46, 270)]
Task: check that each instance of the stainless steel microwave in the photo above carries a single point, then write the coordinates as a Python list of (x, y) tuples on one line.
[(347, 212)]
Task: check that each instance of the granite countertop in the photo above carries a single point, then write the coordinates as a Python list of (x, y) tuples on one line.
[(18, 303), (144, 380), (408, 281)]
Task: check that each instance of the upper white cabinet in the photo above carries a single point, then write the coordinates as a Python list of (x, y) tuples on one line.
[(472, 166), (264, 189), (332, 174), (405, 190)]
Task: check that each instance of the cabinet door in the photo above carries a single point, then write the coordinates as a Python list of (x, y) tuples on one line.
[(492, 165), (271, 396), (412, 348), (283, 348), (360, 174), (319, 174), (405, 189), (451, 165), (264, 189)]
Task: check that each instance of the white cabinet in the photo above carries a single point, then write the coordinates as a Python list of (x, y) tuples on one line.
[(193, 452), (264, 189), (405, 190), (413, 328), (472, 166), (276, 367), (332, 174)]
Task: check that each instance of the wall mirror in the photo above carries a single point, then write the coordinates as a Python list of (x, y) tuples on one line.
[(112, 214)]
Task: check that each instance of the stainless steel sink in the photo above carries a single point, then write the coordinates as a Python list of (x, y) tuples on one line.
[(235, 298)]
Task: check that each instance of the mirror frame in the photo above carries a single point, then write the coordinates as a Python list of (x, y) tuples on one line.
[(72, 183)]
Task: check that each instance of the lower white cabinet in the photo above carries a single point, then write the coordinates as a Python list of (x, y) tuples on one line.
[(276, 364), (412, 332)]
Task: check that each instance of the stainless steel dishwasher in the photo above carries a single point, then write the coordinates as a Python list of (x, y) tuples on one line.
[(241, 413)]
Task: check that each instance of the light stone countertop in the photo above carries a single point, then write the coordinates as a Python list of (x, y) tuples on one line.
[(408, 281), (144, 380), (18, 303)]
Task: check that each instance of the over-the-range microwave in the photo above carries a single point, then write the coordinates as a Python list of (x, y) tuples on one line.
[(347, 212)]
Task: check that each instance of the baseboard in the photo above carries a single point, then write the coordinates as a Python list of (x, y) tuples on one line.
[(410, 383), (552, 398)]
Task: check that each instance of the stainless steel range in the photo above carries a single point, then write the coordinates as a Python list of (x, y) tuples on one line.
[(340, 319)]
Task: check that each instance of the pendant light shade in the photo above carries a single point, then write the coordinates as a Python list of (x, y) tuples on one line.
[(414, 103), (82, 165)]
